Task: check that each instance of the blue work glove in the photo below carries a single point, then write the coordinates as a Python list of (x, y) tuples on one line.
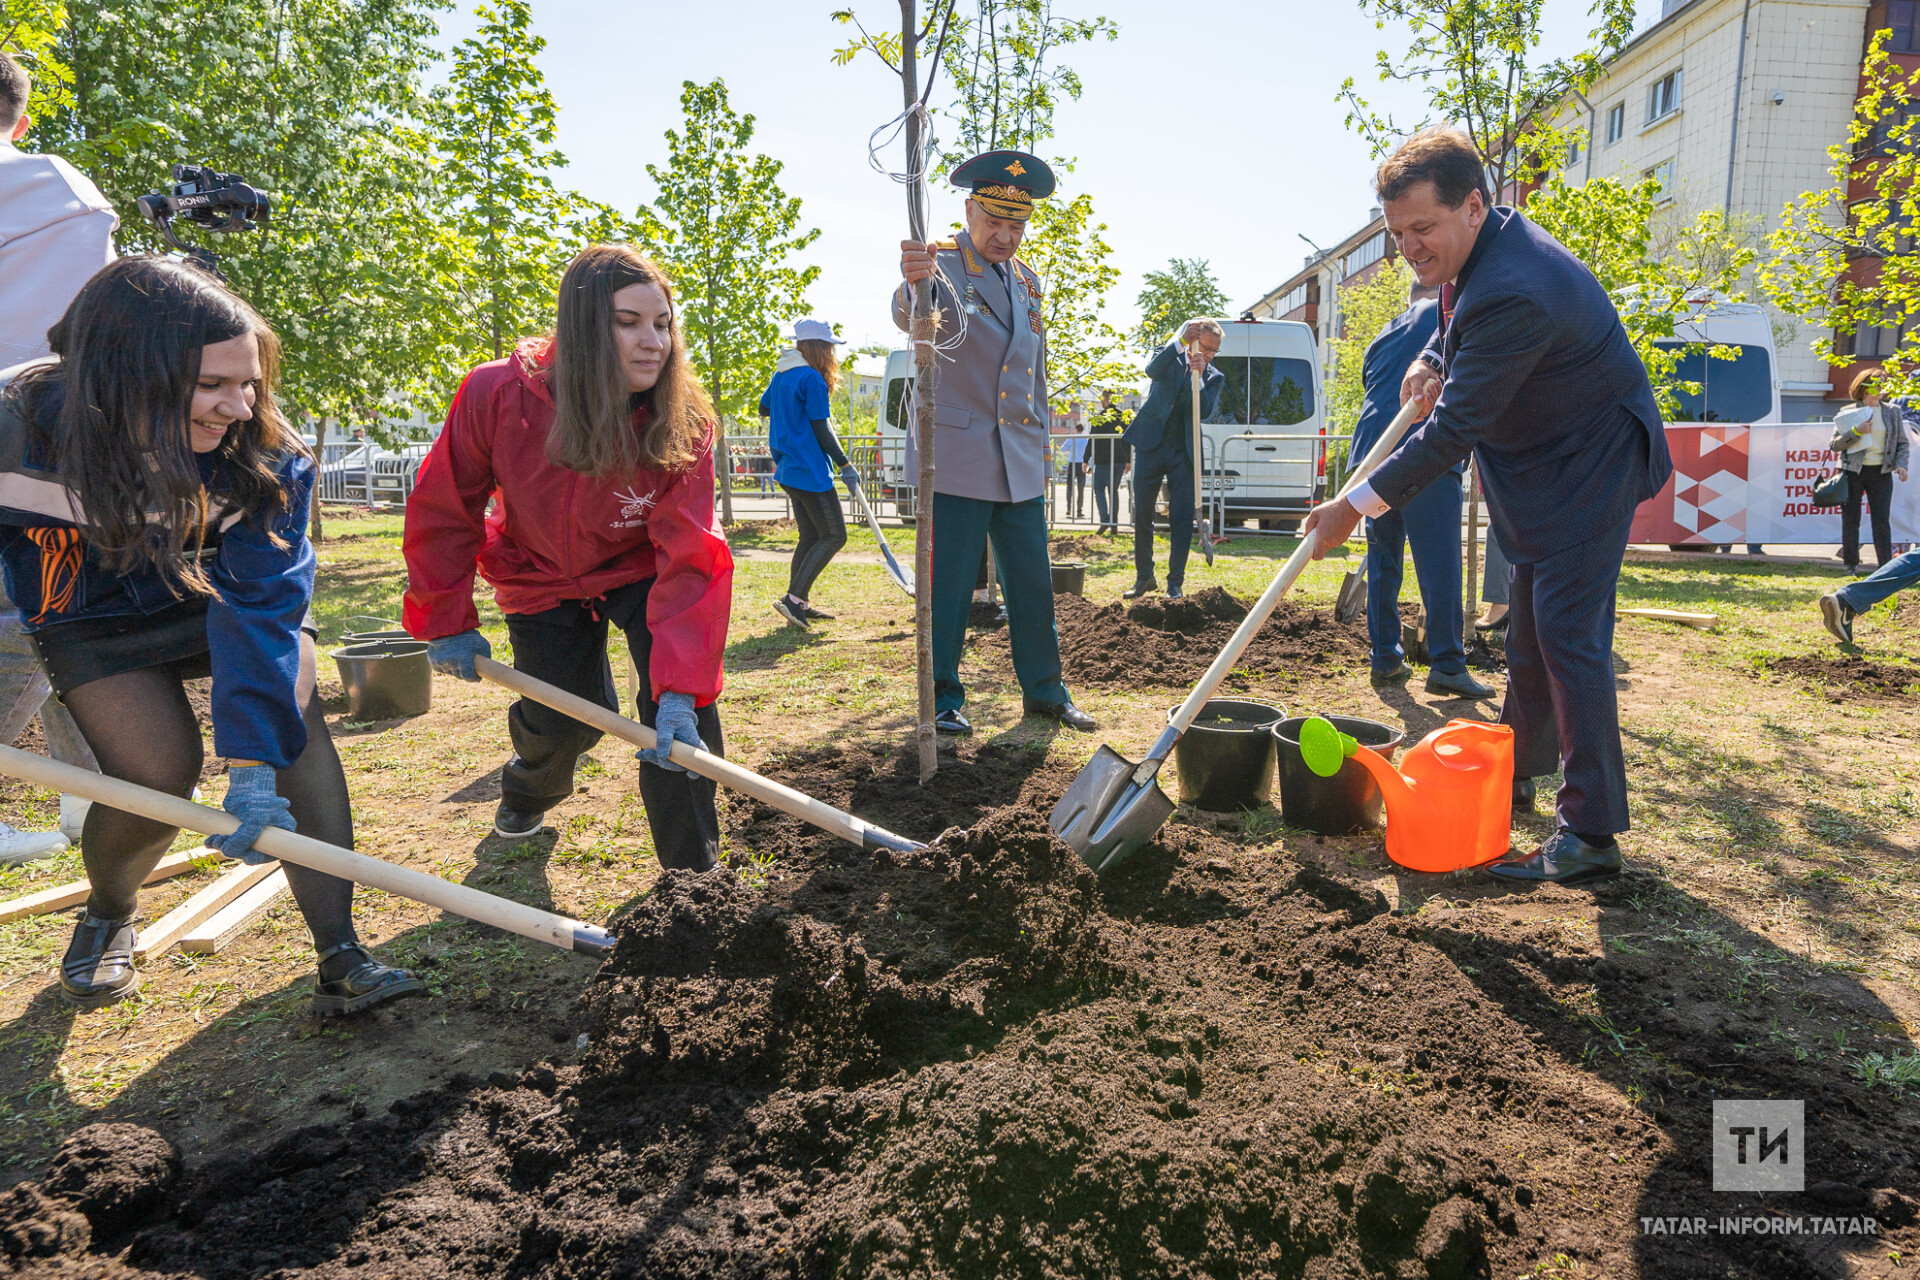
[(252, 798), (850, 478), (454, 655), (673, 723)]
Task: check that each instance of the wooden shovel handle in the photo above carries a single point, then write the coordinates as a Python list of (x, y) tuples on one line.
[(291, 846), (1263, 608), (704, 763)]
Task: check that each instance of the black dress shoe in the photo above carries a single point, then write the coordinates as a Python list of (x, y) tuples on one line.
[(98, 968), (510, 823), (1066, 713), (1564, 859), (1381, 679), (1173, 591), (952, 722), (1139, 589), (1457, 683), (1523, 793)]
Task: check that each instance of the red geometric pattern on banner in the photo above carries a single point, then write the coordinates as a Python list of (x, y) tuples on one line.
[(1705, 501)]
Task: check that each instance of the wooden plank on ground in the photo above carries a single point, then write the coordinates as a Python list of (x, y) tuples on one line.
[(75, 893), (1700, 620), (213, 934), (180, 921)]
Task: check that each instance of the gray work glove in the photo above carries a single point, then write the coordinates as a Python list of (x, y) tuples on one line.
[(254, 798), (850, 478), (454, 655), (674, 722)]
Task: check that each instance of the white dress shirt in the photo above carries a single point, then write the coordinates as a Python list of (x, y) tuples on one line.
[(56, 230)]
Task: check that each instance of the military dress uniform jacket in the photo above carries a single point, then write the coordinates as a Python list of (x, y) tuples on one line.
[(990, 417)]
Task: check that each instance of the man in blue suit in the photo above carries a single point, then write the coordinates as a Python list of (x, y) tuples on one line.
[(1430, 523), (1533, 374), (1162, 441)]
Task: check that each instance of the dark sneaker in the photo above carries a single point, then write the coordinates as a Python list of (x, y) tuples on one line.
[(1838, 617), (952, 722), (815, 615), (98, 968), (510, 823), (363, 986), (794, 615)]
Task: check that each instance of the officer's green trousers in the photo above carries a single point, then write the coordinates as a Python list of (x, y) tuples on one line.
[(961, 527)]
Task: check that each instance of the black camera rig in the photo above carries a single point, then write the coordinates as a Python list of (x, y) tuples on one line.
[(208, 199)]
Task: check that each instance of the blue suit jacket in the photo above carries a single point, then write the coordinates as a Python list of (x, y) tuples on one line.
[(1166, 412), (1399, 344), (1544, 389)]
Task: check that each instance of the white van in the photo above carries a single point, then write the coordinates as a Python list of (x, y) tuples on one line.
[(1745, 389), (1272, 389)]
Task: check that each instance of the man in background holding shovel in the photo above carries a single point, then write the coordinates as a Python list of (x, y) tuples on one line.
[(1533, 374), (1430, 523), (1162, 438)]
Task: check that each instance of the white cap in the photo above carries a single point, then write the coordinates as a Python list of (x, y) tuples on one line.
[(814, 331)]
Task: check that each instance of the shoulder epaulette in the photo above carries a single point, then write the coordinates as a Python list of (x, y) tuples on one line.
[(946, 244)]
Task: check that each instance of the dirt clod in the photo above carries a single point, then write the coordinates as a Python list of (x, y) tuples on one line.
[(1852, 679), (113, 1173)]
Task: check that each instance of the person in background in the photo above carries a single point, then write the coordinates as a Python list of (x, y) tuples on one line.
[(1870, 435), (1109, 455), (806, 457), (577, 476), (1533, 374), (56, 230), (157, 421), (990, 434), (1077, 471), (1162, 441), (1429, 525)]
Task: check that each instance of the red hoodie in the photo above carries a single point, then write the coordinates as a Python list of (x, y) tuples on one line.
[(557, 535)]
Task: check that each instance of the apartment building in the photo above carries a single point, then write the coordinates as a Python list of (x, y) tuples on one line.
[(1730, 105), (1312, 294)]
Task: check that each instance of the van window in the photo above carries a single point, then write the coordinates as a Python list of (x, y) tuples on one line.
[(898, 389), (1265, 391), (1737, 390)]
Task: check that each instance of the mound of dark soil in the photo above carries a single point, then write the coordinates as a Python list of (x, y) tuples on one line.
[(974, 1060), (1852, 679), (1171, 642)]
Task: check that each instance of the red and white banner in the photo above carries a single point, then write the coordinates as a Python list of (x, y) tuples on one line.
[(1734, 484)]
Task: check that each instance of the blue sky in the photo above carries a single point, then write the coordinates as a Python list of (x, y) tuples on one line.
[(1206, 130)]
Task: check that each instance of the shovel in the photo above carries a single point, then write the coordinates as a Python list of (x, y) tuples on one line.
[(901, 578), (706, 764), (1114, 806), (1199, 492), (291, 846), (1353, 595)]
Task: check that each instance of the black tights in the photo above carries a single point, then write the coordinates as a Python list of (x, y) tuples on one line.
[(142, 729), (823, 531)]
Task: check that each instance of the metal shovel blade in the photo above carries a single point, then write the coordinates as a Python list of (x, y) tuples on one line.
[(1105, 815), (1352, 597), (1206, 538), (902, 578)]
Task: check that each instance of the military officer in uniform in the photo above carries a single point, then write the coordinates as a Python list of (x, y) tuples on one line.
[(990, 433)]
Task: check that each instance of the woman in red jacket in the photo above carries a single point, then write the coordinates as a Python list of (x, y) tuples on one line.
[(598, 444)]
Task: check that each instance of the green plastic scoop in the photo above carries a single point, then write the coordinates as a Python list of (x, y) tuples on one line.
[(1324, 747)]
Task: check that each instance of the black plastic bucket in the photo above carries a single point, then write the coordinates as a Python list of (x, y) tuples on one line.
[(1069, 577), (1347, 802), (387, 680), (1224, 767)]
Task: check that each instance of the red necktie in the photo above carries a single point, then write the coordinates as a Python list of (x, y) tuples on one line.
[(1446, 306)]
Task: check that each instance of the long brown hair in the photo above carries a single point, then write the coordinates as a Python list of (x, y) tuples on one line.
[(129, 347), (819, 353), (593, 422)]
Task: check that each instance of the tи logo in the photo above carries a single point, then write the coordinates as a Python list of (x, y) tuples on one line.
[(1759, 1146)]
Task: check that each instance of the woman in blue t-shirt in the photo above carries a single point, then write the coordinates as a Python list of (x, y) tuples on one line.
[(805, 458)]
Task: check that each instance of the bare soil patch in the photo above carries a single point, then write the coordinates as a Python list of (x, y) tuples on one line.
[(1852, 679), (980, 1061)]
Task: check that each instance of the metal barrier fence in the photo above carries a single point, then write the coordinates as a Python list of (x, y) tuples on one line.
[(364, 473), (1235, 480)]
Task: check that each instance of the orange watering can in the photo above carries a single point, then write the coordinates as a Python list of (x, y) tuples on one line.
[(1449, 805)]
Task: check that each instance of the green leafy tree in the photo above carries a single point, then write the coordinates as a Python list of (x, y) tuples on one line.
[(1611, 228), (1843, 256), (726, 230), (493, 129), (1069, 252), (1005, 84), (1365, 309), (1184, 290), (1478, 65)]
